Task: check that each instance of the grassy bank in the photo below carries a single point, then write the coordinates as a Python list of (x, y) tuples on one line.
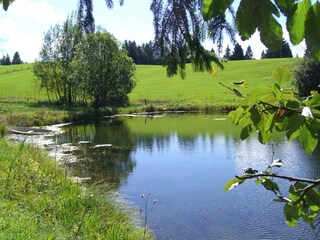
[(38, 201)]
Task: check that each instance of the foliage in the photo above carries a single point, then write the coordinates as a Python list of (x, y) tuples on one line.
[(307, 77), (54, 69), (283, 52), (147, 53), (179, 31), (270, 109), (104, 70), (301, 19), (85, 15)]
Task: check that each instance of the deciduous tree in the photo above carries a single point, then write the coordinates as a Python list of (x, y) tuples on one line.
[(105, 70), (54, 69)]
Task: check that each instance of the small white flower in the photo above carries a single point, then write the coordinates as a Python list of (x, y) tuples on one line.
[(306, 112)]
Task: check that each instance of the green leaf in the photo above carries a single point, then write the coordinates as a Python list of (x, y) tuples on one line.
[(296, 21), (252, 15), (286, 6), (238, 114), (231, 184), (292, 214), (312, 31), (257, 94), (276, 91), (281, 75), (270, 185), (313, 199), (246, 132), (212, 8), (265, 127), (309, 136), (270, 123), (315, 100), (295, 190), (247, 23), (294, 123), (270, 29), (292, 103)]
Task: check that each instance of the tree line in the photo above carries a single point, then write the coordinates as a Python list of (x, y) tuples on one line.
[(238, 53), (6, 60), (149, 53)]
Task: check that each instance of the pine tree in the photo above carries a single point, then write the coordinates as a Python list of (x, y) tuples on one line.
[(7, 60), (227, 54), (249, 53), (16, 58), (283, 52), (237, 53)]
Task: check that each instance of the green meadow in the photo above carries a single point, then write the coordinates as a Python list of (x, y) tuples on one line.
[(202, 89), (22, 103)]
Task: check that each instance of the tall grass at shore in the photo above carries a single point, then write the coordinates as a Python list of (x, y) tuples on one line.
[(38, 201)]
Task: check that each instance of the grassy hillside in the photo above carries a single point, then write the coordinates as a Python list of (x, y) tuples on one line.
[(21, 98), (202, 88)]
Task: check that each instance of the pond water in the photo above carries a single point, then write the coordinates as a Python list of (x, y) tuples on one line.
[(184, 161)]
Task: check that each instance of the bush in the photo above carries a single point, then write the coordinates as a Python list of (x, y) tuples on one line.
[(307, 76)]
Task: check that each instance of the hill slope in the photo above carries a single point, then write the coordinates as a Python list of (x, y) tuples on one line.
[(202, 88), (20, 93)]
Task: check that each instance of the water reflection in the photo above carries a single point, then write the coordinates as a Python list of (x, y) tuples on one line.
[(104, 150), (184, 161)]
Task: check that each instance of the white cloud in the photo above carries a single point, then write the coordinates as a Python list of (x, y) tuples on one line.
[(23, 25), (39, 11)]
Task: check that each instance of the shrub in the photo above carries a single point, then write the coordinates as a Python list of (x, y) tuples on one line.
[(307, 76)]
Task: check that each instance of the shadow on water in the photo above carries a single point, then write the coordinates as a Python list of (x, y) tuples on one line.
[(104, 152)]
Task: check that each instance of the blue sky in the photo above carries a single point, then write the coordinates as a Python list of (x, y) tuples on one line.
[(23, 25)]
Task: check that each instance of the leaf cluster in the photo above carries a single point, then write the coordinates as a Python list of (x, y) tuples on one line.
[(274, 108), (303, 200), (302, 18), (269, 109)]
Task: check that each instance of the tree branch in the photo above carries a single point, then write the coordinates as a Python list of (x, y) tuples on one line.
[(306, 180), (304, 191)]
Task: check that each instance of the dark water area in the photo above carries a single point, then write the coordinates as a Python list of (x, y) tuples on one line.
[(184, 162)]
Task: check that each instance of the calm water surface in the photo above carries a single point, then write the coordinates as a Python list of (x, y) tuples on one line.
[(184, 162)]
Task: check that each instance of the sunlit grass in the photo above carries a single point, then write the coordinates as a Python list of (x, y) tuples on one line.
[(202, 89), (38, 201)]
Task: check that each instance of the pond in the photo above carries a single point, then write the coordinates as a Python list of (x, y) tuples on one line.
[(184, 161)]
